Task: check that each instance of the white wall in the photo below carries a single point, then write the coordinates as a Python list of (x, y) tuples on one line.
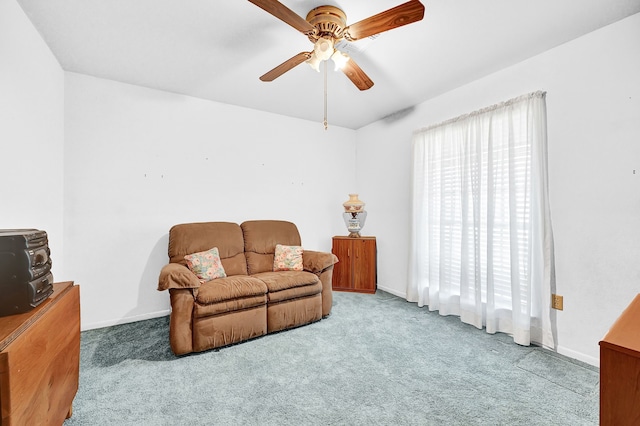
[(593, 103), (31, 132), (138, 161)]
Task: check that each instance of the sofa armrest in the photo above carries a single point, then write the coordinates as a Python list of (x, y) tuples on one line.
[(321, 264), (316, 261), (175, 275)]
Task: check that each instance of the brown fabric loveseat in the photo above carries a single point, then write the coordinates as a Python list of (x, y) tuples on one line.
[(252, 300)]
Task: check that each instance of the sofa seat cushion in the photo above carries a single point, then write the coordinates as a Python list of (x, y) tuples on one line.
[(286, 285), (230, 288), (229, 306), (229, 294)]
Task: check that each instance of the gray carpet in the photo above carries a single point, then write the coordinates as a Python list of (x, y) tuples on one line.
[(377, 360)]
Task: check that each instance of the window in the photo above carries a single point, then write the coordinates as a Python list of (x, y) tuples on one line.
[(482, 244)]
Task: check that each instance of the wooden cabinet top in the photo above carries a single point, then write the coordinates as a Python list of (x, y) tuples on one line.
[(339, 237), (12, 325), (624, 334)]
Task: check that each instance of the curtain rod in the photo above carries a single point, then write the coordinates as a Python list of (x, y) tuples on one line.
[(537, 94)]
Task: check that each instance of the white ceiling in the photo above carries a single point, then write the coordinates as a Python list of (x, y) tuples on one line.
[(215, 49)]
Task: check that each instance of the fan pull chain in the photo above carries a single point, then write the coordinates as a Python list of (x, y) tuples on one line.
[(326, 123)]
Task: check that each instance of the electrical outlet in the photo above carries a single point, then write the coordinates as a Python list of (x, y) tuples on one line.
[(556, 302)]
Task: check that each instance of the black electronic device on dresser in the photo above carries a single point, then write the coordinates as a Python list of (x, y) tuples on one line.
[(25, 270)]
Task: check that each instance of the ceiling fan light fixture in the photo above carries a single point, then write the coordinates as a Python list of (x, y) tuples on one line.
[(314, 62), (339, 59), (323, 48), (326, 25)]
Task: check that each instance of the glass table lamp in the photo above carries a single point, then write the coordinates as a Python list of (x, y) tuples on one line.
[(354, 215)]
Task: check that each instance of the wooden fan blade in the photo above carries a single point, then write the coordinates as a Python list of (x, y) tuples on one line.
[(356, 75), (406, 13), (286, 66), (285, 14)]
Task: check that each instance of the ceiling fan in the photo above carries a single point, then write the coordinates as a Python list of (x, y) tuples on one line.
[(326, 25)]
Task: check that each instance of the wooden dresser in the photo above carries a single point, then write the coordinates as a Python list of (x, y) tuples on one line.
[(356, 269), (40, 360), (620, 370)]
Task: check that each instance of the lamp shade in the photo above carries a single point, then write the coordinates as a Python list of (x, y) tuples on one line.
[(339, 59), (353, 204), (323, 48), (314, 62)]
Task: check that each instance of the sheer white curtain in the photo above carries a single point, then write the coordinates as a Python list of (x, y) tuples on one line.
[(482, 244)]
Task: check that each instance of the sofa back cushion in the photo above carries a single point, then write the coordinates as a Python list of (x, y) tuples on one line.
[(260, 239), (188, 238)]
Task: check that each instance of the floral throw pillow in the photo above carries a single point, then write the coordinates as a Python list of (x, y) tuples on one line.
[(287, 258), (206, 265)]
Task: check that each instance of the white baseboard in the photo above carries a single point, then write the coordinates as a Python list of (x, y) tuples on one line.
[(125, 320), (579, 356), (392, 291)]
